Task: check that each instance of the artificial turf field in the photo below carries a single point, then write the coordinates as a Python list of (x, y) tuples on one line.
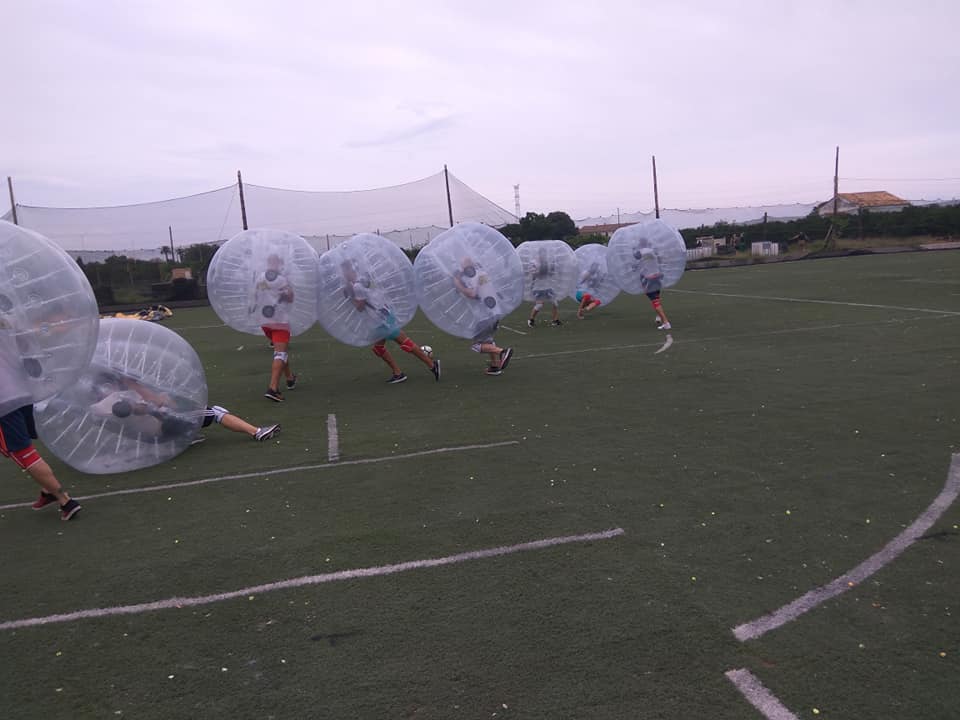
[(774, 446)]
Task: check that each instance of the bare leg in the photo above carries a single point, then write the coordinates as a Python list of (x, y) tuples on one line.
[(279, 366), (416, 350), (43, 475), (232, 422)]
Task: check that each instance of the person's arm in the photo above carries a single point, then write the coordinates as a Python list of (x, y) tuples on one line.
[(464, 290)]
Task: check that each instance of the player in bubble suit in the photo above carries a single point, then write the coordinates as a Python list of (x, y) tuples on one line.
[(651, 278), (543, 292), (472, 282), (589, 280), (365, 298), (272, 297)]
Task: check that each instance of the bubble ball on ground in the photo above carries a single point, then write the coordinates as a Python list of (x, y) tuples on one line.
[(264, 278), (550, 270), (467, 278), (48, 318), (365, 290), (594, 278), (140, 401), (647, 257)]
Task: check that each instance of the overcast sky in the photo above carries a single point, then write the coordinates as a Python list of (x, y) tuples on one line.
[(742, 103)]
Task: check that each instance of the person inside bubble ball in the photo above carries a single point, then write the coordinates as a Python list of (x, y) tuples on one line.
[(475, 284), (155, 414), (273, 297), (540, 273), (651, 280), (590, 279), (364, 295)]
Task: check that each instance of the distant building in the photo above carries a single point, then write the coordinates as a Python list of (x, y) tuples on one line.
[(608, 229), (876, 201)]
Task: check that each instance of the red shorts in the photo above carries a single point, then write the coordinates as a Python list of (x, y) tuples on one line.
[(275, 335)]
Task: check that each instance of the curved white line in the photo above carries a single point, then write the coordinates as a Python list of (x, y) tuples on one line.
[(666, 345), (791, 611)]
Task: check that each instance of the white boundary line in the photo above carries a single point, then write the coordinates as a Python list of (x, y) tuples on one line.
[(792, 610), (817, 302), (333, 439), (691, 340), (518, 332), (758, 695), (181, 602), (281, 471)]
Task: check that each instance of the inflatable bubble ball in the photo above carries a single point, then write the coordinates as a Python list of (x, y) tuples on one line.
[(264, 279), (647, 257), (365, 290), (48, 318), (140, 401), (594, 279), (550, 270), (467, 278)]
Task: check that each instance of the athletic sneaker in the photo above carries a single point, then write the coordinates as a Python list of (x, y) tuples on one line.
[(266, 432), (493, 370), (505, 358), (197, 440), (394, 379), (665, 326), (530, 322), (557, 323), (436, 369), (292, 383), (44, 500), (69, 509), (273, 395)]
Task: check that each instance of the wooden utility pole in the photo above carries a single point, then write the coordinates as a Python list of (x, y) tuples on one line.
[(13, 202), (446, 178), (656, 193), (243, 204)]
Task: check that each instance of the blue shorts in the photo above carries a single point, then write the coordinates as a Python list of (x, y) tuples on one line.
[(389, 329), (17, 430)]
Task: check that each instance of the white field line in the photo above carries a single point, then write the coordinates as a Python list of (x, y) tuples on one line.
[(817, 302), (792, 610), (518, 332), (282, 471), (182, 602), (758, 695), (333, 439), (785, 331)]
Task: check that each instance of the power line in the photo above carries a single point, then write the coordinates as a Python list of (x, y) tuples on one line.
[(944, 179)]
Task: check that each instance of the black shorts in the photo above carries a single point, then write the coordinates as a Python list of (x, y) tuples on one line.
[(17, 429), (655, 295)]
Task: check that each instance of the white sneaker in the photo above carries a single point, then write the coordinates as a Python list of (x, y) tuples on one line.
[(665, 326)]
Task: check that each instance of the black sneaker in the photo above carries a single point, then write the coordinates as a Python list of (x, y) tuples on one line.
[(530, 322), (394, 379), (70, 508), (493, 370), (292, 383), (274, 395), (557, 322), (436, 369), (266, 432), (505, 358)]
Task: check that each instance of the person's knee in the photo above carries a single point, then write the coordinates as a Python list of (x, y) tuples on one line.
[(379, 350), (408, 345), (27, 457), (280, 355)]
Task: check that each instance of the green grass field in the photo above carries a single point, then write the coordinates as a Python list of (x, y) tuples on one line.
[(773, 447)]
